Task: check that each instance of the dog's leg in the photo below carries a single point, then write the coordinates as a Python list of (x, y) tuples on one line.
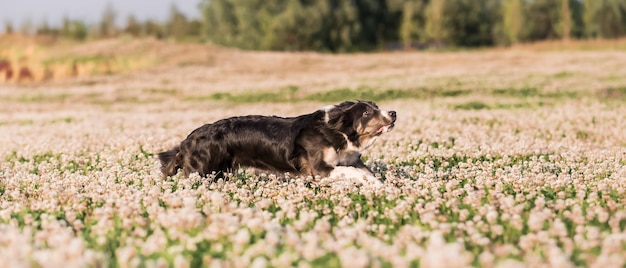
[(317, 165), (360, 165), (359, 175)]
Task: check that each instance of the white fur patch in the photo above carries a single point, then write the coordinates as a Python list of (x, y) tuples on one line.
[(331, 157), (356, 175), (369, 143), (326, 109), (350, 146), (386, 114)]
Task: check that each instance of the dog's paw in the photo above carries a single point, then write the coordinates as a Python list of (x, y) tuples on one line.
[(358, 176)]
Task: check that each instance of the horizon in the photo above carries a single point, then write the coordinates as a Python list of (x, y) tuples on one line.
[(38, 12)]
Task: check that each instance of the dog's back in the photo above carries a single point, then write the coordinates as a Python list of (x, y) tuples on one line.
[(263, 142)]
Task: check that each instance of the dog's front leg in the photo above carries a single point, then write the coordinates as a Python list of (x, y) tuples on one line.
[(316, 165), (351, 165), (353, 159), (360, 165), (361, 176)]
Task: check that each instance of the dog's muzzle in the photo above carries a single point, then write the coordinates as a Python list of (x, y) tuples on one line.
[(386, 128)]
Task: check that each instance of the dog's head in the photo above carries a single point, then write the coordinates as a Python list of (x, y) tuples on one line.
[(362, 118)]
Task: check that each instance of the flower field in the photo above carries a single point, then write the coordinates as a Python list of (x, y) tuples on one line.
[(498, 159)]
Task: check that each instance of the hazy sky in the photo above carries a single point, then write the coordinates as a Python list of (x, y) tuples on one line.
[(90, 11)]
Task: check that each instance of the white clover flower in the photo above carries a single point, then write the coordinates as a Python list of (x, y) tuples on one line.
[(354, 257), (125, 255), (93, 178), (242, 237), (535, 221), (558, 228), (613, 260), (486, 259), (491, 216)]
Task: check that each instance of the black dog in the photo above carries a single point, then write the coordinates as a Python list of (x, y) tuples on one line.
[(311, 144)]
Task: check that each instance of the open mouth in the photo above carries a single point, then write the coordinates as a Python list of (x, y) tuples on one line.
[(384, 129)]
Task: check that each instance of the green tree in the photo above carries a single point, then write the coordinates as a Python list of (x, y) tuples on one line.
[(177, 24), (133, 27), (512, 20), (8, 27), (66, 26), (344, 27), (220, 23), (45, 29), (107, 23), (79, 30), (194, 28), (541, 20), (380, 22), (331, 25), (566, 20), (27, 28), (470, 23), (435, 30), (341, 25), (152, 28), (605, 18), (407, 28), (411, 28), (296, 27), (592, 28), (73, 29)]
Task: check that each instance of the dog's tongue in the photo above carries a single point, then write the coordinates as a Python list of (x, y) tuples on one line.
[(383, 129)]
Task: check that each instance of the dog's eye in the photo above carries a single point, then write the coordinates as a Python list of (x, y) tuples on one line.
[(366, 113)]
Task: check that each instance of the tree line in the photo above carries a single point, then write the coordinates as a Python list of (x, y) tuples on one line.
[(365, 25), (177, 26), (342, 25)]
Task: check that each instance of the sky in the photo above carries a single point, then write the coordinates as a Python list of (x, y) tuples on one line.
[(90, 11)]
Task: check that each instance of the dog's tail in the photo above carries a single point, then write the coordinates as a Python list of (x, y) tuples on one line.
[(169, 162)]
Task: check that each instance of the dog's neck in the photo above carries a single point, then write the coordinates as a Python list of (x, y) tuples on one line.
[(357, 144)]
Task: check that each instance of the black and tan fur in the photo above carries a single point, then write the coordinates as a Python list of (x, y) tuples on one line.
[(311, 144)]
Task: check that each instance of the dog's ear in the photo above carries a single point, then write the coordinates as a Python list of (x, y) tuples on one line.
[(356, 112), (369, 102), (336, 113), (345, 105), (339, 116)]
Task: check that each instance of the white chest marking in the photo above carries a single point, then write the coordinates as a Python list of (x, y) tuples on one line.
[(368, 143), (331, 157), (351, 147)]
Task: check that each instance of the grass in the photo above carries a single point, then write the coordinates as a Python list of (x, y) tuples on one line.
[(519, 167), (525, 92), (455, 177), (472, 105), (284, 94), (291, 94), (164, 91), (612, 93), (367, 93)]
